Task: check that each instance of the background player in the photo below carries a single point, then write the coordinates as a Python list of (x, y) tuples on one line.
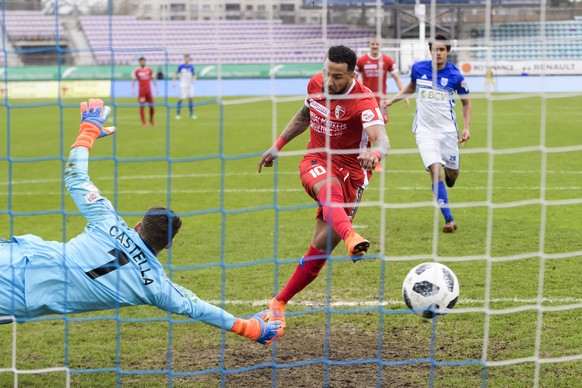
[(373, 69), (187, 76), (435, 125), (109, 265), (144, 75), (343, 123), (489, 84)]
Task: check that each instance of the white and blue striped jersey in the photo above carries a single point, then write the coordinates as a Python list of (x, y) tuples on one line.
[(186, 74), (435, 100), (106, 266)]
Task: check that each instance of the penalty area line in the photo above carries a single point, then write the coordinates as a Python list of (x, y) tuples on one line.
[(394, 302)]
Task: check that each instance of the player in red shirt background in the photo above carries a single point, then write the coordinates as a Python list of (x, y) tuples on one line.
[(373, 69), (144, 75), (346, 122)]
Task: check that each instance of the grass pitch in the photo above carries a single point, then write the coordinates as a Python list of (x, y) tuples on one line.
[(518, 204)]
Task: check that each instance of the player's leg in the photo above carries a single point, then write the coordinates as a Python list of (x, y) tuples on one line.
[(323, 242), (331, 218), (191, 107), (190, 94), (152, 111), (332, 198), (324, 186), (150, 100), (307, 270), (450, 154), (430, 152), (451, 176), (440, 192), (178, 108), (142, 101)]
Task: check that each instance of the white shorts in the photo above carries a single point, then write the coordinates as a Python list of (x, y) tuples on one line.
[(186, 92), (440, 148)]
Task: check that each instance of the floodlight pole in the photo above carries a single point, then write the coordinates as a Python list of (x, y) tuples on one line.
[(420, 13)]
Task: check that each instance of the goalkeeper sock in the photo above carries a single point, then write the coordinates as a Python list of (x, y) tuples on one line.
[(336, 217), (305, 272), (443, 199), (179, 108)]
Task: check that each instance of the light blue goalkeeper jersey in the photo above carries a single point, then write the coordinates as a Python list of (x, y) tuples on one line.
[(106, 266)]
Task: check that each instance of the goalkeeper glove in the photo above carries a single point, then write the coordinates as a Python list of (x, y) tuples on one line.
[(257, 329), (93, 117)]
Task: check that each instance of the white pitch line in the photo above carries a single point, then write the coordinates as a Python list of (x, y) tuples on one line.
[(394, 302), (271, 190), (214, 175)]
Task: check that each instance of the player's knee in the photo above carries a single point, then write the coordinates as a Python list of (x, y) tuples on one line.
[(453, 174), (434, 168)]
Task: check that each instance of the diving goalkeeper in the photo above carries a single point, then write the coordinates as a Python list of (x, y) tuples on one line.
[(109, 265)]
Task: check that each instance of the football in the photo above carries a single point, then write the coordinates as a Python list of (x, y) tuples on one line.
[(430, 289)]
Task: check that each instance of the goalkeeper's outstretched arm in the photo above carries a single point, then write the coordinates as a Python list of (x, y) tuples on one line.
[(86, 196), (177, 299)]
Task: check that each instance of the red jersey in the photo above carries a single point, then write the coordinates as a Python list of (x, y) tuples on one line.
[(375, 71), (344, 122), (144, 76)]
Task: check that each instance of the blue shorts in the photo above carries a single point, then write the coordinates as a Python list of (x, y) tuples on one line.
[(12, 264)]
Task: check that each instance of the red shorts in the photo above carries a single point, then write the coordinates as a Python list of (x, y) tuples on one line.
[(313, 170), (145, 97)]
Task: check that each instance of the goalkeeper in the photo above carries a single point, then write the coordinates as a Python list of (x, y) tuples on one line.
[(109, 264)]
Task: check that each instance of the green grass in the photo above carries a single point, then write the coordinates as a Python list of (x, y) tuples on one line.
[(232, 215)]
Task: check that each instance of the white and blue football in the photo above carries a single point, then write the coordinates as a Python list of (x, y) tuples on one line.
[(430, 289)]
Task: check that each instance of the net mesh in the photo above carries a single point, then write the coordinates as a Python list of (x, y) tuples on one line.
[(516, 254)]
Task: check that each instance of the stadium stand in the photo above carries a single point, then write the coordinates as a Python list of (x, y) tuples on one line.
[(35, 33), (123, 39), (33, 26), (256, 41), (529, 41)]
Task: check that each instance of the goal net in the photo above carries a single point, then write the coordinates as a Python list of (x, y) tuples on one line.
[(517, 202)]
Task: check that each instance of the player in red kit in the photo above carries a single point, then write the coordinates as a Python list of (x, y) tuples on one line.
[(373, 69), (345, 119), (144, 75)]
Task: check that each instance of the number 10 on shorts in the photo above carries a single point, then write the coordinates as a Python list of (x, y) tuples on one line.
[(317, 171)]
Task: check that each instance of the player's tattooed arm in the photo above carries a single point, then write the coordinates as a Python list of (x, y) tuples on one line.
[(298, 124)]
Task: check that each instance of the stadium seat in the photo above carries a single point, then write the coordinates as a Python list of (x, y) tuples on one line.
[(264, 40), (523, 45)]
